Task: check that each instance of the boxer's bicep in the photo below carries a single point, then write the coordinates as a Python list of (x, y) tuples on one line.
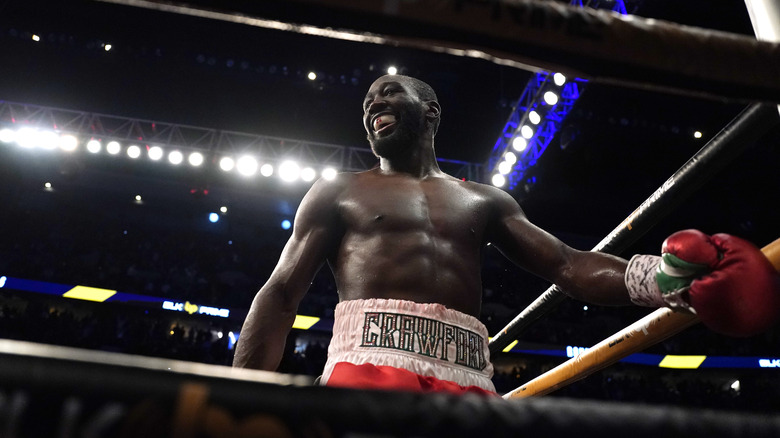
[(523, 243), (316, 229)]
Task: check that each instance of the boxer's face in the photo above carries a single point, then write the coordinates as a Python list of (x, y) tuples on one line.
[(393, 116)]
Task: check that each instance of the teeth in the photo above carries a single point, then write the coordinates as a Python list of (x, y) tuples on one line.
[(383, 120)]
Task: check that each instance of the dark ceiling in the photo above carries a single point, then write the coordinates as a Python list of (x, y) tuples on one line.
[(621, 143)]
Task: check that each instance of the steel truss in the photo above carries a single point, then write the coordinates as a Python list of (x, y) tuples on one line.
[(210, 142), (552, 115)]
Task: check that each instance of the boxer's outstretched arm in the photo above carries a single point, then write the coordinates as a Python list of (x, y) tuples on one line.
[(585, 275), (315, 232)]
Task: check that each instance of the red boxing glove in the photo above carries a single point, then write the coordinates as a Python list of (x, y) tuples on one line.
[(692, 246), (685, 256), (740, 295)]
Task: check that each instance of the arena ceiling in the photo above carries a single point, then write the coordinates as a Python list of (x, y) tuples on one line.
[(618, 144)]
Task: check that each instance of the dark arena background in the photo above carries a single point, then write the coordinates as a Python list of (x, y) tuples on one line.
[(115, 245)]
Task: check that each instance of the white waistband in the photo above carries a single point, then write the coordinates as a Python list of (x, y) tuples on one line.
[(426, 339)]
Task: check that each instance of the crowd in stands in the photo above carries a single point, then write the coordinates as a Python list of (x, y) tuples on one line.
[(112, 327)]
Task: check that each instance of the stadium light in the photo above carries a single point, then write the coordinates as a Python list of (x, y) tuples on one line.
[(94, 146), (534, 117), (133, 151), (227, 164), (289, 171), (69, 143), (113, 147), (551, 98), (175, 157), (155, 153), (7, 135), (510, 157), (246, 165), (519, 144), (308, 174), (195, 159), (559, 79), (498, 180), (48, 140), (526, 131), (329, 173), (504, 168), (26, 137), (392, 70), (267, 170)]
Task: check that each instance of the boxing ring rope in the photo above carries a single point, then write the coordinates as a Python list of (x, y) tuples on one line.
[(721, 150), (532, 35), (66, 392), (650, 330)]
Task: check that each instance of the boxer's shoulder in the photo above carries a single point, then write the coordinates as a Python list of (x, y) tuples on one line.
[(496, 198), (335, 185), (327, 192)]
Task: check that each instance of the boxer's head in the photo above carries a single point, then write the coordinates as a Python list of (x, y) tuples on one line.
[(399, 112)]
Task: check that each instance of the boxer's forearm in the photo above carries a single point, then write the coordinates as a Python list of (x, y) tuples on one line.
[(596, 278), (264, 333)]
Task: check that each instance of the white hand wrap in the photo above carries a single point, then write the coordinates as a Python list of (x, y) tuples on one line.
[(643, 288), (640, 281)]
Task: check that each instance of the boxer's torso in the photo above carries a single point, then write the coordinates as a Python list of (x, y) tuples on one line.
[(412, 239)]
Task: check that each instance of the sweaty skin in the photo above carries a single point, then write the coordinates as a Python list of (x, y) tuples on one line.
[(406, 230)]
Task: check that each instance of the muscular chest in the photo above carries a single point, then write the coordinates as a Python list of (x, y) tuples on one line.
[(439, 208)]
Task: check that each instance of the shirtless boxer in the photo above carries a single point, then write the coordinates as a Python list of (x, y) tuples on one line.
[(404, 242)]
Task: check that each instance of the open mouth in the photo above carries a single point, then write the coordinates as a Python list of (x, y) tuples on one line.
[(383, 123)]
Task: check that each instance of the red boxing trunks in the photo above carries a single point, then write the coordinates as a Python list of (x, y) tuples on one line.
[(395, 344)]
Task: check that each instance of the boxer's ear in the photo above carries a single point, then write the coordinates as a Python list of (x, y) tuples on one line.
[(434, 110)]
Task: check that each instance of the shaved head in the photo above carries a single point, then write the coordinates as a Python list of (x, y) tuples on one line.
[(421, 89), (424, 91)]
